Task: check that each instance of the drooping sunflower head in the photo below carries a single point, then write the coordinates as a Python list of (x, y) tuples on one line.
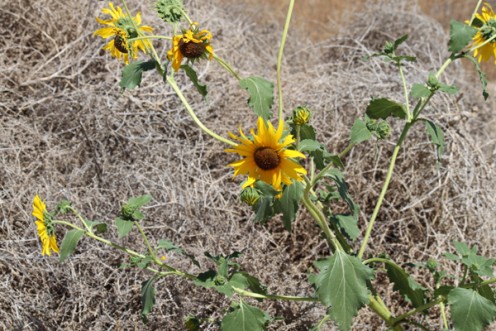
[(121, 27), (266, 156), (193, 44), (486, 32), (46, 230)]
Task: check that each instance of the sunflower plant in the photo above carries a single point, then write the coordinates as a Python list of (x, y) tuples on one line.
[(287, 169)]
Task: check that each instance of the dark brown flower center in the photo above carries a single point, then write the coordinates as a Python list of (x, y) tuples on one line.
[(191, 50), (120, 43), (266, 158)]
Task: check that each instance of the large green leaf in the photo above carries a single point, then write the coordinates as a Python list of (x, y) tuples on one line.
[(384, 108), (132, 73), (348, 224), (123, 227), (359, 132), (342, 285), (69, 243), (147, 297), (261, 95), (191, 73), (460, 36), (406, 285), (245, 318), (469, 310)]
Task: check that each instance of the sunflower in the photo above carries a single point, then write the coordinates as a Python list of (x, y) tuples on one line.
[(46, 231), (266, 157), (121, 27), (486, 31), (192, 44)]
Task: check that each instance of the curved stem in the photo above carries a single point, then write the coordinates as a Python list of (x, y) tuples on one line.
[(186, 16), (418, 309), (279, 57), (346, 150), (407, 102), (176, 88), (226, 66), (272, 297), (475, 12), (78, 215), (384, 189), (385, 261), (147, 243)]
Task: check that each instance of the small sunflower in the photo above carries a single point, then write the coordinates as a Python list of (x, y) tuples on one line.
[(192, 44), (121, 28), (46, 231), (486, 31), (266, 157)]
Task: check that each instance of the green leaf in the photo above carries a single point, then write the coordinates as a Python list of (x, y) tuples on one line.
[(63, 206), (470, 311), (191, 73), (307, 132), (399, 41), (69, 243), (309, 145), (482, 75), (348, 224), (245, 318), (420, 91), (342, 284), (147, 298), (261, 95), (359, 132), (450, 89), (132, 73), (463, 249), (437, 137), (384, 108), (123, 227), (139, 201), (288, 203), (192, 323), (460, 36), (406, 285)]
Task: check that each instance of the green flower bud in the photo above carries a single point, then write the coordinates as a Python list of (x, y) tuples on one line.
[(220, 280), (170, 11), (383, 130), (127, 211), (431, 264), (389, 48), (301, 115), (250, 196)]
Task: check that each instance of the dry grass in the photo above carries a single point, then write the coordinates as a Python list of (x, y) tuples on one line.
[(67, 133)]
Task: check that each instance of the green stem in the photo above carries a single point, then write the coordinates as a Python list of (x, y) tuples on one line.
[(346, 150), (443, 315), (378, 306), (475, 12), (186, 16), (444, 66), (147, 243), (322, 322), (279, 57), (418, 309), (481, 45), (176, 88), (272, 297), (78, 215), (149, 37), (385, 261), (226, 66), (407, 102), (384, 188), (319, 217)]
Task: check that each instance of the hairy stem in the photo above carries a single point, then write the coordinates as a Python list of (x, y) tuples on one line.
[(272, 297)]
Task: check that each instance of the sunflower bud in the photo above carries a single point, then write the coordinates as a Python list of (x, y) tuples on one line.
[(250, 196), (127, 211), (170, 11), (383, 130), (301, 115)]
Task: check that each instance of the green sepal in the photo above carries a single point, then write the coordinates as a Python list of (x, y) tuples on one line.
[(147, 298), (461, 35), (470, 311), (437, 137), (288, 203), (384, 108), (132, 73), (63, 206), (359, 132), (245, 317), (69, 243), (261, 93), (342, 285), (191, 73), (406, 285), (482, 75), (170, 247)]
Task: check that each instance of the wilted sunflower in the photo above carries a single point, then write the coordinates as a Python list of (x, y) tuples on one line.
[(486, 31), (266, 157), (121, 28), (46, 231), (192, 44)]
